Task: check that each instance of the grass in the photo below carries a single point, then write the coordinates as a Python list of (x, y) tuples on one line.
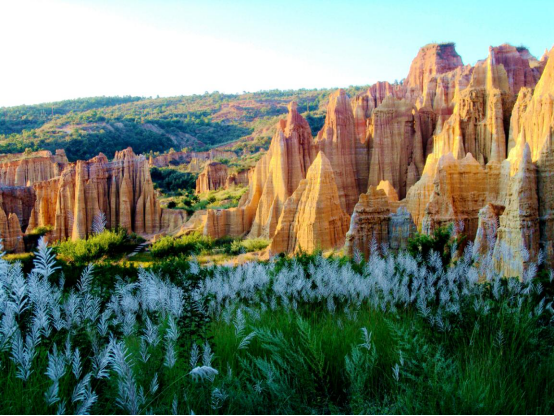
[(303, 335), (223, 198)]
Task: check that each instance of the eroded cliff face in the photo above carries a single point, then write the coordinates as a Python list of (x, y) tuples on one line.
[(15, 210), (337, 139), (71, 195), (397, 145), (369, 224), (275, 177), (517, 242), (240, 178), (443, 147), (433, 59), (214, 176), (312, 217), (25, 169)]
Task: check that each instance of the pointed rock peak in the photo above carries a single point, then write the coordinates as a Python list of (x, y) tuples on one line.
[(546, 82), (100, 158), (319, 166), (526, 158), (375, 192), (386, 186), (470, 159), (125, 154), (294, 119), (432, 59), (446, 160), (545, 55)]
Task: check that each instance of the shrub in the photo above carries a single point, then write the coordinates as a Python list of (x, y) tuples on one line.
[(108, 242), (186, 245), (248, 246), (441, 241), (40, 231)]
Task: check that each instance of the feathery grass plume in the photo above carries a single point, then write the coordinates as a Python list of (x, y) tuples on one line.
[(56, 364), (86, 278), (204, 373), (23, 353), (170, 354), (129, 398), (45, 259), (99, 223)]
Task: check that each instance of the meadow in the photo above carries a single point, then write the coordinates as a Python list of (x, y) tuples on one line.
[(409, 332)]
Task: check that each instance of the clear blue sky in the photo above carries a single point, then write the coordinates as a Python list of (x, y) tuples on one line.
[(60, 49)]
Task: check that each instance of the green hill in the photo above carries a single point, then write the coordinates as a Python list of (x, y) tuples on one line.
[(84, 127)]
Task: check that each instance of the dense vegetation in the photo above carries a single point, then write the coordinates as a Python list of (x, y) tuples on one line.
[(87, 126), (172, 181), (195, 243), (398, 333), (108, 243)]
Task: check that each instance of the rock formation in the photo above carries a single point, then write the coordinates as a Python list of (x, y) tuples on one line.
[(489, 222), (214, 176), (469, 145), (535, 125), (369, 222), (69, 199), (518, 237), (312, 217), (337, 139), (397, 145), (10, 230), (25, 169), (15, 210), (450, 140), (240, 178), (432, 60), (460, 191)]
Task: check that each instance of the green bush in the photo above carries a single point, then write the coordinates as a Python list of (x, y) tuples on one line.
[(248, 246), (40, 231), (108, 242), (441, 241), (186, 245)]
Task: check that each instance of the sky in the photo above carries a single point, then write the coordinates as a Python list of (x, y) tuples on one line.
[(52, 50)]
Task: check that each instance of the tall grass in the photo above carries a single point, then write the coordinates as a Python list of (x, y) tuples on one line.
[(395, 334)]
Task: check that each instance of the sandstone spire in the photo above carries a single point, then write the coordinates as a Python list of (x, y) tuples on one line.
[(214, 176), (286, 163), (369, 222), (312, 217), (337, 139), (518, 237), (432, 59), (397, 141)]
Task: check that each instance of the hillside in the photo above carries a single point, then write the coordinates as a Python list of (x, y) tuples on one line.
[(87, 126)]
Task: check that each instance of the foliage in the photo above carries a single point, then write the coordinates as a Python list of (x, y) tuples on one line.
[(96, 246), (87, 126), (188, 244), (248, 246), (171, 181), (395, 334), (441, 241), (41, 230)]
